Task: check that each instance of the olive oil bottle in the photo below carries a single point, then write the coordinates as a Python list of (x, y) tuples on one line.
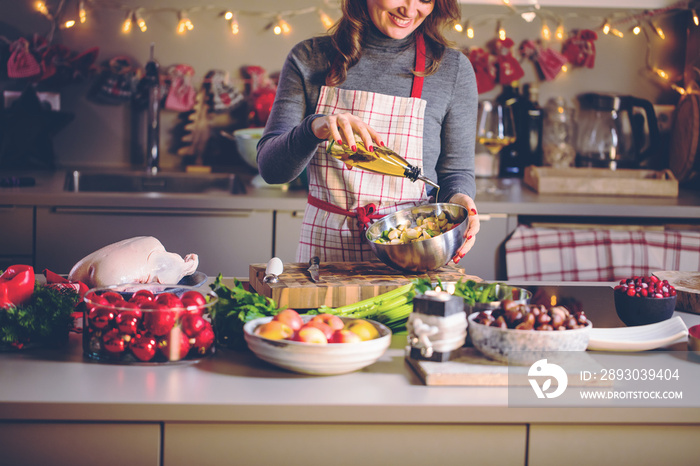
[(381, 160)]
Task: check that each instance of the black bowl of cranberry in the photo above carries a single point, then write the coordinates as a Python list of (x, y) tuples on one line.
[(644, 300)]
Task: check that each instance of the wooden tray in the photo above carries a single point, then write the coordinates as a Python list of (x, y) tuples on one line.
[(602, 181), (342, 282)]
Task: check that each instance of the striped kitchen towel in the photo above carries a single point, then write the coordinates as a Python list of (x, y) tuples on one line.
[(564, 254)]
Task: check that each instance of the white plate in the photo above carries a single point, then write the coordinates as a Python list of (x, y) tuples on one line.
[(639, 338)]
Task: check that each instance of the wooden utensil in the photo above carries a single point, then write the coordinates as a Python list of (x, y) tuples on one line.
[(343, 282)]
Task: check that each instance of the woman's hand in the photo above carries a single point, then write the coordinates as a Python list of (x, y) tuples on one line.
[(473, 225), (342, 127)]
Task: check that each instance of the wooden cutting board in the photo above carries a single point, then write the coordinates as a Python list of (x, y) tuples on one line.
[(342, 282), (687, 285), (468, 367)]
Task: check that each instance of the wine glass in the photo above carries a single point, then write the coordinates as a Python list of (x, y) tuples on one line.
[(495, 128)]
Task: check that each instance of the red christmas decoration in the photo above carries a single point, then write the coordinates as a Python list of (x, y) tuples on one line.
[(484, 68), (509, 70), (548, 61), (579, 49)]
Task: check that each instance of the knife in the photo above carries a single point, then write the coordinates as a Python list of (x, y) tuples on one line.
[(313, 269)]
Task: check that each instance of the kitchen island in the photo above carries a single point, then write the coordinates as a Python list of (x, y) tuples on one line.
[(58, 408), (54, 227)]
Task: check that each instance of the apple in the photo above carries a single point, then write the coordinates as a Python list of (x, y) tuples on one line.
[(175, 345), (363, 328), (274, 330), (327, 331), (311, 334), (344, 336), (291, 318), (143, 346), (333, 321)]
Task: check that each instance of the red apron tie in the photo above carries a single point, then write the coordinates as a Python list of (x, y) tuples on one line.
[(364, 214)]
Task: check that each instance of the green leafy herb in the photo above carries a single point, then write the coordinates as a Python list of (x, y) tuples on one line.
[(235, 307), (45, 319)]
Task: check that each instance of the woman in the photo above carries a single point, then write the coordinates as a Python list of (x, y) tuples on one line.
[(385, 74)]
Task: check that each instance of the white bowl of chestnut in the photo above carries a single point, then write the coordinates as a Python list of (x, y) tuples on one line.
[(521, 334)]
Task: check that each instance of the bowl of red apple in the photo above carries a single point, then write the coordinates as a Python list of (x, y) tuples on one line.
[(148, 324), (322, 344)]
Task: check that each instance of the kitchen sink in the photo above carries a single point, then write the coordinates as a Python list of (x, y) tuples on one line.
[(163, 182)]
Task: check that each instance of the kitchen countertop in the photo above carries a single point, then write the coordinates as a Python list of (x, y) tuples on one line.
[(53, 385), (505, 196)]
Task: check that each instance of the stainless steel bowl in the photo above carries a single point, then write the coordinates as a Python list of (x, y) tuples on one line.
[(502, 291), (419, 256)]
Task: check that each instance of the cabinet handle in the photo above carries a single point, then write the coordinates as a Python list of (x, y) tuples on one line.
[(140, 211)]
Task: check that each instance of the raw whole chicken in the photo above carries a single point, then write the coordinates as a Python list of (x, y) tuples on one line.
[(141, 259)]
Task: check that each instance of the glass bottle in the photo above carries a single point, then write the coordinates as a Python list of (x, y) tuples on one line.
[(381, 160), (531, 142), (558, 134), (511, 162)]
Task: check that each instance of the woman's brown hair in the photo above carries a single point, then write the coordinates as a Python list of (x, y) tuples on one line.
[(347, 35)]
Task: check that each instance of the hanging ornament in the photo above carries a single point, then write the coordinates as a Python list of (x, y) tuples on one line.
[(22, 63), (484, 65), (579, 49), (221, 94), (181, 93), (509, 70), (547, 60)]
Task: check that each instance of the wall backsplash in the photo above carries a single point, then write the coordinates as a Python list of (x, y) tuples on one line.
[(102, 136)]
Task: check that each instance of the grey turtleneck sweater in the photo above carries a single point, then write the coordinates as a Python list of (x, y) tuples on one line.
[(288, 144)]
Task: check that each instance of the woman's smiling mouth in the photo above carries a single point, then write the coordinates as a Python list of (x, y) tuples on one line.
[(401, 22)]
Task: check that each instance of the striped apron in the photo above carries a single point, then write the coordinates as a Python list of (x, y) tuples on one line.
[(343, 201)]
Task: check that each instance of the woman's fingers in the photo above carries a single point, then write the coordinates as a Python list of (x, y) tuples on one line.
[(473, 225)]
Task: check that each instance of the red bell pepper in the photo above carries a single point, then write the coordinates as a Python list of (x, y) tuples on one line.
[(16, 285)]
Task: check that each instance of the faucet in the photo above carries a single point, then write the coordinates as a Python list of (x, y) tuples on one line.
[(152, 80)]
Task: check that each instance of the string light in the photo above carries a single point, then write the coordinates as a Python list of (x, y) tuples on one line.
[(559, 33), (184, 24), (325, 19), (282, 27), (140, 22), (458, 27), (470, 30), (235, 29), (546, 33), (658, 30), (637, 29), (69, 24), (41, 8), (696, 19), (126, 25), (82, 13), (528, 16), (501, 31), (564, 68), (606, 27)]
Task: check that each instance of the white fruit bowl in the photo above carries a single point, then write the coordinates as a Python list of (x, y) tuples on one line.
[(315, 359)]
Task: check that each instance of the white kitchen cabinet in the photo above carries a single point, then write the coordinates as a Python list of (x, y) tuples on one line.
[(343, 444), (16, 235), (226, 241), (486, 259), (79, 443), (287, 229), (612, 444)]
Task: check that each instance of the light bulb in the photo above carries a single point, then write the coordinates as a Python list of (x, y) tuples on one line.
[(501, 32), (82, 13), (636, 29), (69, 24), (606, 27), (325, 19), (470, 30), (284, 27), (277, 29), (141, 22), (659, 31), (696, 19), (41, 8), (559, 33), (564, 68), (235, 29), (458, 27), (184, 24), (546, 33), (126, 25), (662, 74), (228, 15), (616, 32)]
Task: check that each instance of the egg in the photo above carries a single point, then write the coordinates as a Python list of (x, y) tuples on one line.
[(274, 267)]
